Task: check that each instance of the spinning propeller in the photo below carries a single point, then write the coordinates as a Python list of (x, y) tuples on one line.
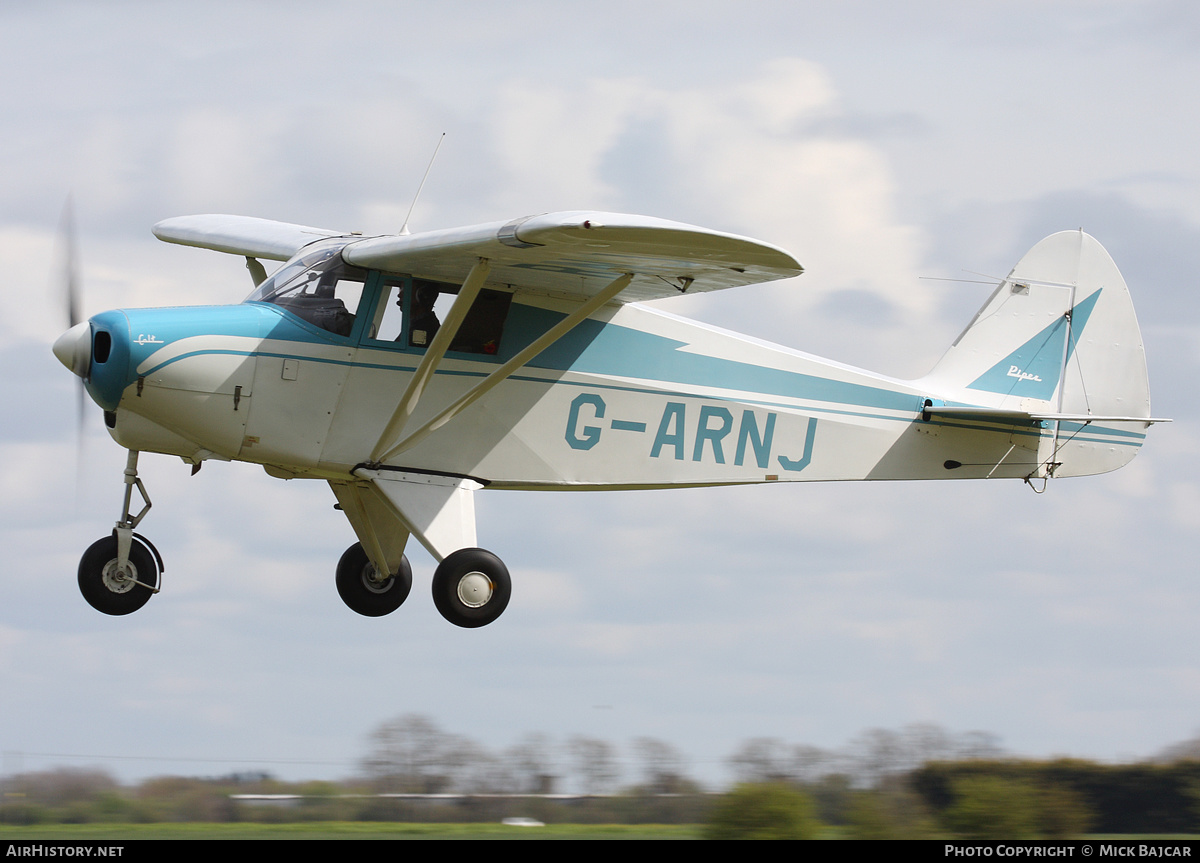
[(74, 347)]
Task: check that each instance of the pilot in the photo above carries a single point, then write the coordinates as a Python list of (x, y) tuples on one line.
[(425, 323), (323, 307), (327, 285)]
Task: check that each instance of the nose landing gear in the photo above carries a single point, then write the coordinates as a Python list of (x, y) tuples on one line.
[(118, 574)]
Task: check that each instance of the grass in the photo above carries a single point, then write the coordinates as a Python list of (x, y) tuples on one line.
[(347, 830)]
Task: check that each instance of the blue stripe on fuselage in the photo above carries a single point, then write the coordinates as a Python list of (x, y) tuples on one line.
[(593, 347), (598, 348)]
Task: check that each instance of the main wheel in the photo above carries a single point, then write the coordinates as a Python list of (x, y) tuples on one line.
[(361, 588), (113, 592), (471, 587)]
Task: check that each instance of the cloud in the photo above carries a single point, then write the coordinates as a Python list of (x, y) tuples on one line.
[(741, 156)]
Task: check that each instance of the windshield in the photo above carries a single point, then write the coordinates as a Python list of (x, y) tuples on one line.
[(317, 287)]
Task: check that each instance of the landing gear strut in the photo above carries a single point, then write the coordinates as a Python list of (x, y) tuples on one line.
[(118, 574), (471, 587)]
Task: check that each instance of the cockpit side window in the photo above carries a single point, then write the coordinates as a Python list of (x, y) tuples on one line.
[(410, 312), (317, 287), (387, 324)]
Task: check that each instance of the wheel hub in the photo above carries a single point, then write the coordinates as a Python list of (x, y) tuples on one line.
[(474, 590), (372, 581), (117, 581)]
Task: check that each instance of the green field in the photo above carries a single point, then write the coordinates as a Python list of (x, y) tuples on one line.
[(348, 830)]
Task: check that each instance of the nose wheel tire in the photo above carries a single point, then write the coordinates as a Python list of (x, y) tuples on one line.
[(471, 587), (109, 589), (364, 591)]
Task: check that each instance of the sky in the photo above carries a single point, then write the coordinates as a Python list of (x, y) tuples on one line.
[(888, 146)]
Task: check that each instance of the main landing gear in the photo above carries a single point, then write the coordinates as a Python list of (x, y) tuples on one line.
[(471, 587), (118, 574), (363, 588)]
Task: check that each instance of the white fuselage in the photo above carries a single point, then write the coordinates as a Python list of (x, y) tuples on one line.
[(633, 399)]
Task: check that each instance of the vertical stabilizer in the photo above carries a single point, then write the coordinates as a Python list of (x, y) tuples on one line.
[(1058, 336)]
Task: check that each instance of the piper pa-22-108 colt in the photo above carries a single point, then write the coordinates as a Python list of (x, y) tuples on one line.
[(542, 371)]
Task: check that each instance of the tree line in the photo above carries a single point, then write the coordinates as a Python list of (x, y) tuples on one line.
[(918, 781)]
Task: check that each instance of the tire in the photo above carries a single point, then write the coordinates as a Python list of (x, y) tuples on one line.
[(471, 587), (362, 592), (106, 591)]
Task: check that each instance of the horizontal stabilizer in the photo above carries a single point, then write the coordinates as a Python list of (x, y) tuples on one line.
[(1028, 418)]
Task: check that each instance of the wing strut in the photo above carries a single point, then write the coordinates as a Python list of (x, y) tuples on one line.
[(538, 345), (432, 359)]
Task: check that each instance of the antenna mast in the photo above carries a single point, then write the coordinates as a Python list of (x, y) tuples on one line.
[(404, 230)]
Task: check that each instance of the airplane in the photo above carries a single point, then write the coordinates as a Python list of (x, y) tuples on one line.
[(410, 371)]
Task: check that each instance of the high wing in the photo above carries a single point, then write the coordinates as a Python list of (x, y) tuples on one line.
[(241, 235), (569, 254), (577, 253)]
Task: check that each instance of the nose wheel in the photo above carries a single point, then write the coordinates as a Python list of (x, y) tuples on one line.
[(471, 587), (111, 588)]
